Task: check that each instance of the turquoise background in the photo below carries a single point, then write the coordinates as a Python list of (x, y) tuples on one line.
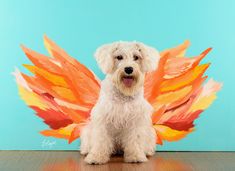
[(81, 26)]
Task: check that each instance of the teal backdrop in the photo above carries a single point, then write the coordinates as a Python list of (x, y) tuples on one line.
[(80, 26)]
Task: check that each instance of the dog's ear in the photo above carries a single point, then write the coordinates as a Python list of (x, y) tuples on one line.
[(104, 58), (150, 57)]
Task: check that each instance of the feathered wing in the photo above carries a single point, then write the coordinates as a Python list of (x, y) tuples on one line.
[(177, 93), (61, 91)]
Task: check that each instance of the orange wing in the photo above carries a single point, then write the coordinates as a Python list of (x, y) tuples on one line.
[(177, 93), (62, 91)]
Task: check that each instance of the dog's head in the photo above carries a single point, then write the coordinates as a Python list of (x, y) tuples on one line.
[(127, 63)]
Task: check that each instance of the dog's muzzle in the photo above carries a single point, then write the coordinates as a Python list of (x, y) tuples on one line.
[(128, 81)]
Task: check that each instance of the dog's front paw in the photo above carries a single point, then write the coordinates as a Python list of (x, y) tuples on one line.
[(83, 152), (135, 158), (96, 159), (150, 152)]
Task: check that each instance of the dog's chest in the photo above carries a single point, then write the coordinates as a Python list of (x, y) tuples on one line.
[(123, 113), (126, 105)]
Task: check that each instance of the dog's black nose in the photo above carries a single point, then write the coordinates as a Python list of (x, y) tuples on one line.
[(128, 70)]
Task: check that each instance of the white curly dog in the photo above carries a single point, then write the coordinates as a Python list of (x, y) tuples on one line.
[(121, 118)]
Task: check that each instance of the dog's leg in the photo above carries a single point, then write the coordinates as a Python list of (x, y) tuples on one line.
[(150, 141), (134, 144), (85, 140), (101, 146)]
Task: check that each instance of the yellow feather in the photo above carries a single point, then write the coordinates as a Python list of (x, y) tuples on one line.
[(203, 103), (47, 45), (172, 96), (169, 85), (65, 93), (64, 132), (166, 133), (182, 54), (31, 98), (55, 79)]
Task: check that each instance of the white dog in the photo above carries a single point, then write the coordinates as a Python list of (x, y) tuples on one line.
[(121, 119)]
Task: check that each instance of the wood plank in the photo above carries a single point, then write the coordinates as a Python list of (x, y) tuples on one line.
[(73, 161)]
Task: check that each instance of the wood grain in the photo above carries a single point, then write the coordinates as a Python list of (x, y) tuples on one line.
[(72, 161)]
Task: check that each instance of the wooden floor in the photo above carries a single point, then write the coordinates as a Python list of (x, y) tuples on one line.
[(71, 160)]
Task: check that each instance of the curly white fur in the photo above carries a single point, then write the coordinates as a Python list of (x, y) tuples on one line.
[(121, 118)]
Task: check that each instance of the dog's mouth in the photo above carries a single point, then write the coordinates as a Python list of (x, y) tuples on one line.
[(128, 80)]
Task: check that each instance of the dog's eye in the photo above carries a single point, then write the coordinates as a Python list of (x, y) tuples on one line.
[(136, 57), (120, 57)]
